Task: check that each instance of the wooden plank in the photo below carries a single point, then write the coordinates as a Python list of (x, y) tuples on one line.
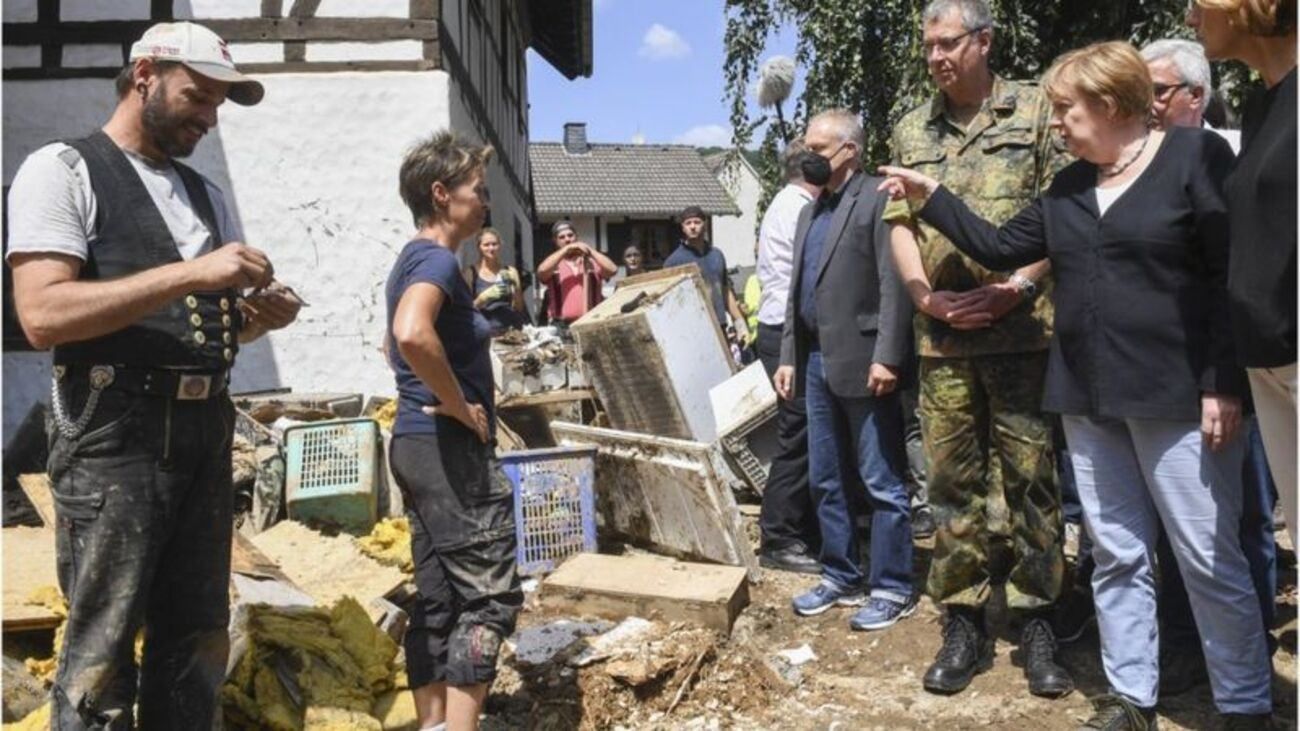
[(326, 567), (28, 566), (231, 30), (617, 587), (39, 492), (559, 396)]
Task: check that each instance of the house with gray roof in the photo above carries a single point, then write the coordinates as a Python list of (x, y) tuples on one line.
[(617, 194)]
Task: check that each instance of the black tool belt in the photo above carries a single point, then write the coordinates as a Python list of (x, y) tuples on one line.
[(182, 385)]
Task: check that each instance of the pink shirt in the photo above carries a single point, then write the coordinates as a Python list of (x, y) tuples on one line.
[(568, 281)]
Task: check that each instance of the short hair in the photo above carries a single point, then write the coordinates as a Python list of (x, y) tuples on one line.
[(126, 77), (791, 159), (1110, 74), (1186, 56), (562, 225), (848, 124), (445, 158), (974, 13), (1259, 17), (487, 231)]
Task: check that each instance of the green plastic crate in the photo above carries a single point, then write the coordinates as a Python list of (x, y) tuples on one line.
[(332, 474)]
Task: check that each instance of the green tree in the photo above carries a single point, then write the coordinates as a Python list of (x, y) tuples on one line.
[(866, 55)]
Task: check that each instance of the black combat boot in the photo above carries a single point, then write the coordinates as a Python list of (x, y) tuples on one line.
[(967, 650), (1112, 713), (1038, 645)]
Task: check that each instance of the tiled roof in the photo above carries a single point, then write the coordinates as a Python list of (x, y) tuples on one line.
[(627, 180)]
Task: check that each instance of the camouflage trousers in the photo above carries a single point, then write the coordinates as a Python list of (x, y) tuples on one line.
[(982, 425)]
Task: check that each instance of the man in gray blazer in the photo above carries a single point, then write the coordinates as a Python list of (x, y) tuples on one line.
[(847, 337)]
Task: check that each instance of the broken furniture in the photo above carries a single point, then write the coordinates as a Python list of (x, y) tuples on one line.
[(652, 351), (673, 496), (745, 408)]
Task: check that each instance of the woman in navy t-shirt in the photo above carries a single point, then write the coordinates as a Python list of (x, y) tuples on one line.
[(459, 503)]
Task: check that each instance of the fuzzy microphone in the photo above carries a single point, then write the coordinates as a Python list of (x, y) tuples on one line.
[(775, 81)]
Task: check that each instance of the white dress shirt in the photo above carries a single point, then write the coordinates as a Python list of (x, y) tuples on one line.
[(776, 251)]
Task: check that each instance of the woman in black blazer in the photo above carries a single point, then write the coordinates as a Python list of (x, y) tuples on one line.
[(1141, 367)]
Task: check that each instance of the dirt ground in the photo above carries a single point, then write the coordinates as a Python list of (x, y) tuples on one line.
[(857, 681)]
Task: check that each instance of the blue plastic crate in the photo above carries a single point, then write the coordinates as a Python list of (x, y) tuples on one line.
[(332, 474), (555, 504)]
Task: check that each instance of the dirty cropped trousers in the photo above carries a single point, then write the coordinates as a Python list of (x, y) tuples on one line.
[(1134, 476), (143, 501)]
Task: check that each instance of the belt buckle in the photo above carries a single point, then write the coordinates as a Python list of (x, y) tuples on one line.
[(193, 388)]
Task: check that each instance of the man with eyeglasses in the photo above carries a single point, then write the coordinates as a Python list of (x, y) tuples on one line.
[(982, 338)]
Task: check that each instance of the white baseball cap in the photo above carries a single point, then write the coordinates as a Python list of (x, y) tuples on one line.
[(203, 52)]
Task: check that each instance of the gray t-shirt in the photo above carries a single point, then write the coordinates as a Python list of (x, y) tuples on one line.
[(52, 207)]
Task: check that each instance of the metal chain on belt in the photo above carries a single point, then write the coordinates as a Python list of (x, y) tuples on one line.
[(100, 378)]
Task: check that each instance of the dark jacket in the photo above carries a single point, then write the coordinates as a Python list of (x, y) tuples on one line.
[(1142, 322), (864, 315)]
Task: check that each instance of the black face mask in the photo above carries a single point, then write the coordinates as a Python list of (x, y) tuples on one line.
[(816, 168)]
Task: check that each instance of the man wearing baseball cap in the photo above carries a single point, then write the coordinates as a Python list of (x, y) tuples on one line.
[(130, 266), (573, 274)]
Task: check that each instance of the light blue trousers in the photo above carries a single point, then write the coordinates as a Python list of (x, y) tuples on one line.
[(1133, 476)]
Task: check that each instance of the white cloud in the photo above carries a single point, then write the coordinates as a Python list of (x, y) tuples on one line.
[(661, 42), (705, 135)]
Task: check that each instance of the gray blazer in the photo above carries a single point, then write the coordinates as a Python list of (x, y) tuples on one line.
[(864, 314)]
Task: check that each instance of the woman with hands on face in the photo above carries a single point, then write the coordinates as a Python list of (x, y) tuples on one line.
[(1141, 366)]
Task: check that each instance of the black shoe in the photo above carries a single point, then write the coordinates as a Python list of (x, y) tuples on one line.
[(791, 558), (1046, 677), (1182, 667), (967, 651), (1246, 721), (1075, 615), (1112, 713), (922, 521)]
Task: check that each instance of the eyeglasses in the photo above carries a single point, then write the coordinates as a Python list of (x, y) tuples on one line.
[(1164, 91), (947, 45)]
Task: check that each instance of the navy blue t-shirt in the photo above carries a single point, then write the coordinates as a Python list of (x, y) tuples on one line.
[(713, 266), (462, 328)]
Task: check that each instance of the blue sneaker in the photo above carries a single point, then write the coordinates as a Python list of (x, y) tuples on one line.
[(881, 613), (824, 596)]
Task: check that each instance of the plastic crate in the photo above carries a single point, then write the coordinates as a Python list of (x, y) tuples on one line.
[(750, 447), (332, 473), (555, 504)]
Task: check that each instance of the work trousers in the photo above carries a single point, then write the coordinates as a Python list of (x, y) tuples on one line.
[(979, 413), (461, 510), (863, 438), (143, 500), (1274, 393), (788, 517), (1134, 476)]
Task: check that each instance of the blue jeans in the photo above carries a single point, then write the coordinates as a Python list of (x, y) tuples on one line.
[(862, 435)]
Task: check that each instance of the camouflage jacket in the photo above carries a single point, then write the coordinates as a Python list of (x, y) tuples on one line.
[(997, 165)]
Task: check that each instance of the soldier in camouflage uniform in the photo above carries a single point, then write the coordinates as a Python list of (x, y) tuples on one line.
[(982, 337)]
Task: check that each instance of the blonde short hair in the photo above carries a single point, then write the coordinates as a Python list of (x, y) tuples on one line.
[(1259, 17), (443, 158), (1111, 75)]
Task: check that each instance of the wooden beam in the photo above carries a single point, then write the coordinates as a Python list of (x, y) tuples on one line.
[(304, 8), (310, 67), (547, 397), (425, 9), (232, 30), (40, 494), (272, 8), (294, 52)]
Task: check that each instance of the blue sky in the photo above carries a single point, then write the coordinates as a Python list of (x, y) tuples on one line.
[(657, 76)]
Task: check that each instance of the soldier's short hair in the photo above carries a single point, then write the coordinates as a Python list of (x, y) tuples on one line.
[(974, 13), (1186, 56), (1111, 75), (791, 157), (443, 158), (846, 122)]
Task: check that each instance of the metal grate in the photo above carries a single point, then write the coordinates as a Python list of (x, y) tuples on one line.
[(331, 473), (555, 514), (330, 457)]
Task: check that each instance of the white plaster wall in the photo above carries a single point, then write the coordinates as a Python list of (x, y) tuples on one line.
[(93, 55), (199, 9), (20, 11), (103, 9), (17, 57), (735, 235), (364, 9), (405, 50)]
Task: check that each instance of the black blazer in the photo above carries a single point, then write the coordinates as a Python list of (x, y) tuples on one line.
[(1142, 325), (864, 315)]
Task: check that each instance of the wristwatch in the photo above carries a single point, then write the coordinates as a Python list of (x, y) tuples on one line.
[(1026, 285)]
